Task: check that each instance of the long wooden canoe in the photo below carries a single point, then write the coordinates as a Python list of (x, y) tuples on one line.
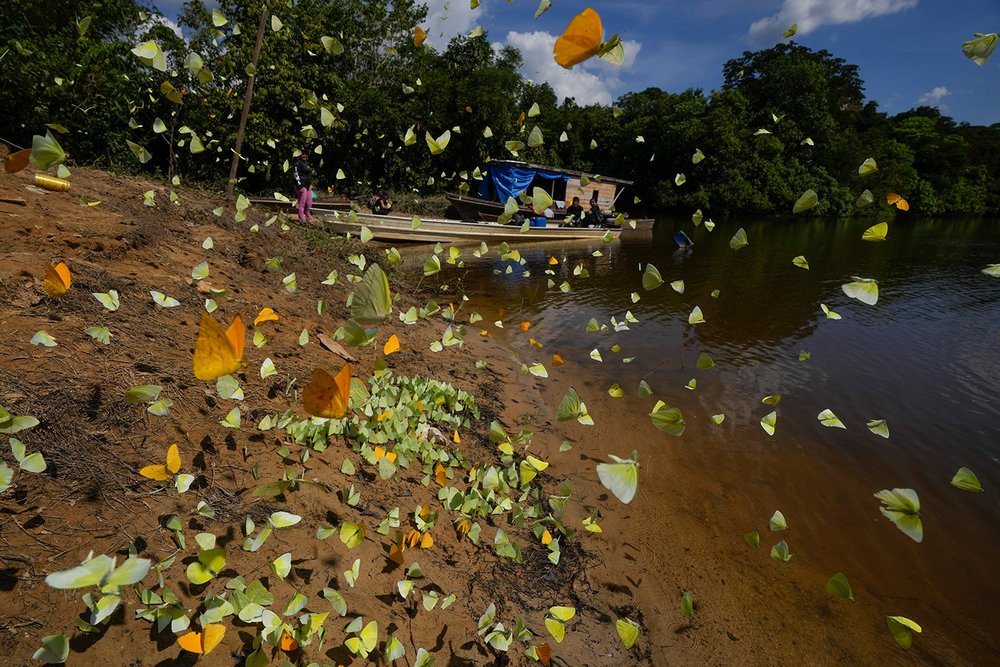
[(321, 205), (400, 229)]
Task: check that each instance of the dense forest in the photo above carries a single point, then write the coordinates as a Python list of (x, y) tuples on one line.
[(344, 80)]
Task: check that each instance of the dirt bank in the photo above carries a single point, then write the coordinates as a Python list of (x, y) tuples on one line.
[(91, 497)]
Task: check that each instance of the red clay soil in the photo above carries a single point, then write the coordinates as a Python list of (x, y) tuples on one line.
[(91, 497)]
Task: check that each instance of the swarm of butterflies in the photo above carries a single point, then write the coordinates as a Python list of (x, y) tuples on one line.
[(219, 352)]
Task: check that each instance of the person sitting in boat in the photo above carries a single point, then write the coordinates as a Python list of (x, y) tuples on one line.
[(595, 217), (380, 204), (574, 214)]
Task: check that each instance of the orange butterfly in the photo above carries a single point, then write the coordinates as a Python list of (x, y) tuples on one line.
[(203, 642), (534, 343), (218, 352), (580, 40), (15, 162), (57, 279), (892, 199), (419, 36), (265, 315), (416, 538), (544, 652), (391, 345), (161, 473), (557, 360), (381, 452), (397, 548), (288, 643), (525, 325), (326, 395)]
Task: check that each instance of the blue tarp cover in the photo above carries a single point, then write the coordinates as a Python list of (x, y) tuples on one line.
[(508, 180)]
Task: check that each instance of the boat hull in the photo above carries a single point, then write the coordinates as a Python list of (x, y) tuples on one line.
[(318, 206), (399, 229), (473, 208)]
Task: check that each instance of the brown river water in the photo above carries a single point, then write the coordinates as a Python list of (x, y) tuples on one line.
[(926, 358)]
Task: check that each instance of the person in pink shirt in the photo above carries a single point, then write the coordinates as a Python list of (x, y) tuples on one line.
[(303, 187)]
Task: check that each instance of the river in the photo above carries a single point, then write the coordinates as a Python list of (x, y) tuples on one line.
[(925, 358)]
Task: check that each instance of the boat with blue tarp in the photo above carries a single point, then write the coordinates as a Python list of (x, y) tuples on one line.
[(503, 179)]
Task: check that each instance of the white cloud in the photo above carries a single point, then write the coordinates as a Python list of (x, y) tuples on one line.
[(442, 24), (168, 23), (591, 82), (934, 97), (811, 14)]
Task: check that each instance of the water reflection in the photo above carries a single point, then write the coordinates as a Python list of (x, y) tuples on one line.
[(925, 358), (928, 347)]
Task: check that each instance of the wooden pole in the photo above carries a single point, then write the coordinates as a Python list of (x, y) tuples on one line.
[(246, 105)]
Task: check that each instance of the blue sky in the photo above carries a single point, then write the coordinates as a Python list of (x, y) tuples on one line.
[(908, 51)]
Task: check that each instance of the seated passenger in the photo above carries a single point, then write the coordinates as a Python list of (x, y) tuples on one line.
[(574, 214), (595, 217)]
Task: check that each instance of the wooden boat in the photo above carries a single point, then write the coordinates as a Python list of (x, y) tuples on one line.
[(507, 178), (320, 205), (400, 229)]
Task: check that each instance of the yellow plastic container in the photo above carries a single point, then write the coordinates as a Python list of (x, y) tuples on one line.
[(51, 183)]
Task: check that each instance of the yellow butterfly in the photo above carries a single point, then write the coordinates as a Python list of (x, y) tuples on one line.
[(326, 395), (203, 642), (57, 279), (875, 232), (218, 352), (162, 473)]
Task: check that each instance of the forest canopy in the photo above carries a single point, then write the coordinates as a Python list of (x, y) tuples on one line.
[(344, 80)]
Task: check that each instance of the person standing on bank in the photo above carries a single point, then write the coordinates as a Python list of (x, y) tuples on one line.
[(303, 187)]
